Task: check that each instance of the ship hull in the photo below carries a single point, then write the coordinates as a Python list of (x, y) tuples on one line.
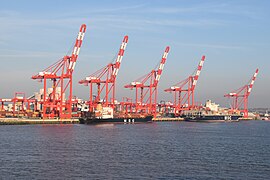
[(121, 120), (214, 118)]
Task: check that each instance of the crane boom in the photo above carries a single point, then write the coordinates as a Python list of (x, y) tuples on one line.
[(119, 57), (250, 86), (196, 76), (77, 47), (161, 65)]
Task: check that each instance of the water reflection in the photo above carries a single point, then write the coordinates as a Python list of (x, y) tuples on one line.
[(168, 150)]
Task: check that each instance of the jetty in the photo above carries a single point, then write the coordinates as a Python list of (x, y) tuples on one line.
[(24, 121)]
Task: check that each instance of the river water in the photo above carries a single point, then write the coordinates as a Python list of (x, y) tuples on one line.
[(165, 150)]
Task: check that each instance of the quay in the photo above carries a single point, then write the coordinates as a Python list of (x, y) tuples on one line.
[(24, 121), (168, 119)]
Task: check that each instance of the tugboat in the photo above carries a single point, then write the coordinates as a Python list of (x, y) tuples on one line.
[(106, 115)]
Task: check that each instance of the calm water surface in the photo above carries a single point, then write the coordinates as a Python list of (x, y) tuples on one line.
[(169, 150)]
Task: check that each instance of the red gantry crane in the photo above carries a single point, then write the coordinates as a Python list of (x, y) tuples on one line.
[(240, 96), (146, 88), (105, 79), (54, 104), (184, 91)]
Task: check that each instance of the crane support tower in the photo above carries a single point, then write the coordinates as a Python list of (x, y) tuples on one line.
[(146, 88), (54, 104), (239, 97), (105, 79), (184, 91)]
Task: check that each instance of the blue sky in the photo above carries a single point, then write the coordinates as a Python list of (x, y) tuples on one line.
[(234, 36)]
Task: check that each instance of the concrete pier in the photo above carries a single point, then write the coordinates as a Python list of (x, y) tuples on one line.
[(23, 121), (168, 119)]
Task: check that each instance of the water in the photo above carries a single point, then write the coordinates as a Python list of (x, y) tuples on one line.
[(167, 150)]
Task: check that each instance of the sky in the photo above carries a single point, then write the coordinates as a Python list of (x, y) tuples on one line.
[(232, 34)]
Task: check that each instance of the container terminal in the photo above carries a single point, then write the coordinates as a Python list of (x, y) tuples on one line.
[(55, 102)]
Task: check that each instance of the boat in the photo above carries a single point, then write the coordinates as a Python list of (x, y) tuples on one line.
[(213, 118), (211, 112), (125, 120), (108, 116)]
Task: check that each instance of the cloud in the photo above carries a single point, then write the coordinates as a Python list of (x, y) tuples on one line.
[(36, 54), (2, 42), (109, 10), (8, 13), (26, 54), (133, 18), (214, 46), (153, 24), (104, 22), (209, 8)]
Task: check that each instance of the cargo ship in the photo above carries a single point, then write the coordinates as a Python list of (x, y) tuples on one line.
[(107, 115), (211, 112), (213, 118)]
